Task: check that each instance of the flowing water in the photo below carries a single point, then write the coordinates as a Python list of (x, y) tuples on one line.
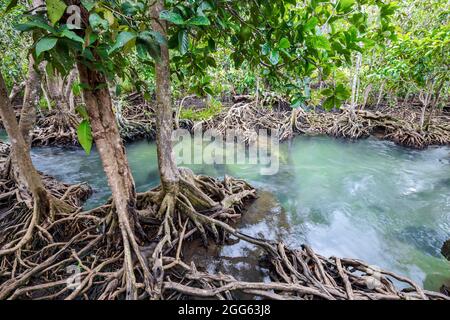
[(369, 199)]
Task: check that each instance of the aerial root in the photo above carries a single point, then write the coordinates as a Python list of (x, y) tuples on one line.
[(361, 124)]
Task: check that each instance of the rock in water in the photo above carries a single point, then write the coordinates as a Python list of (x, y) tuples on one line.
[(446, 249)]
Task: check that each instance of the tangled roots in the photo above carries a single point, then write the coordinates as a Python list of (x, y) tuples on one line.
[(59, 128), (90, 246), (302, 275)]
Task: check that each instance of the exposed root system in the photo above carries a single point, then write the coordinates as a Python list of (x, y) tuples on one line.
[(246, 118), (136, 122), (302, 275), (361, 124), (80, 255), (58, 128), (89, 243), (73, 254)]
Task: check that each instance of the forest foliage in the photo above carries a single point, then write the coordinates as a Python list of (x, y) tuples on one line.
[(307, 51)]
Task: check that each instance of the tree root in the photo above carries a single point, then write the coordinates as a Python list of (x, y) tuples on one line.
[(90, 243), (136, 122), (59, 128), (300, 275), (246, 118)]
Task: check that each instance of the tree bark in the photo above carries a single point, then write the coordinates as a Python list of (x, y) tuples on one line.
[(166, 160), (108, 141), (21, 159), (30, 103), (31, 96), (115, 164)]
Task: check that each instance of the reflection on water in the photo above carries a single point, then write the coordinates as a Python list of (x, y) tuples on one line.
[(368, 199)]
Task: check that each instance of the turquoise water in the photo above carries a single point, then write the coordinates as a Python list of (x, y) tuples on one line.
[(369, 199), (3, 135)]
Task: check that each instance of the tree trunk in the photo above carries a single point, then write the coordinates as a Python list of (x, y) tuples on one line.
[(166, 160), (30, 103), (425, 98), (446, 250), (108, 141), (434, 103), (380, 94), (26, 173), (31, 96), (112, 153)]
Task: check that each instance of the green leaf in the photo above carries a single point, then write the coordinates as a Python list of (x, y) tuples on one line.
[(329, 103), (84, 134), (211, 44), (45, 44), (211, 62), (183, 41), (320, 42), (72, 36), (36, 23), (297, 102), (327, 92), (345, 5), (130, 9), (147, 42), (172, 17), (141, 50), (122, 39), (265, 49), (284, 43), (81, 110), (311, 24), (118, 90), (88, 4), (199, 21), (342, 93), (153, 35), (97, 22), (55, 10), (274, 57)]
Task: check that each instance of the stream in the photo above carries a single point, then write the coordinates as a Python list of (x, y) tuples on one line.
[(370, 200)]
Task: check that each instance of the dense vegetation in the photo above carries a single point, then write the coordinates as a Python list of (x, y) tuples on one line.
[(84, 72)]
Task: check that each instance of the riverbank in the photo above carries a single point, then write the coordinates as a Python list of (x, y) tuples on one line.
[(401, 127), (136, 121)]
